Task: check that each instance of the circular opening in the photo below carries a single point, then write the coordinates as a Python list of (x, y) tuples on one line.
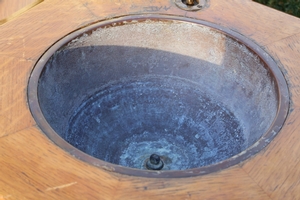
[(158, 96)]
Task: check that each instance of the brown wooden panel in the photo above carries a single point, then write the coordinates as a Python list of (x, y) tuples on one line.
[(14, 112), (8, 7), (287, 52), (13, 9), (291, 186), (228, 184), (33, 168), (272, 169), (41, 27)]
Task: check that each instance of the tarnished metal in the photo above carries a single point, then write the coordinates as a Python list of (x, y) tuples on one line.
[(154, 162), (62, 88), (190, 2), (191, 5)]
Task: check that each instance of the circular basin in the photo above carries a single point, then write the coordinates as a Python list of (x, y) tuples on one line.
[(158, 96)]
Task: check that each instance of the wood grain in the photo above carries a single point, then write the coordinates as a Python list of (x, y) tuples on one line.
[(12, 8), (228, 184), (279, 164), (44, 171), (45, 30), (32, 167), (14, 112)]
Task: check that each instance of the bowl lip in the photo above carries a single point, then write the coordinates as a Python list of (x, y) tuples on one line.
[(275, 127)]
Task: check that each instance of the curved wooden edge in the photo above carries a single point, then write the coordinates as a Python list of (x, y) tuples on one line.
[(19, 12), (277, 170), (32, 167)]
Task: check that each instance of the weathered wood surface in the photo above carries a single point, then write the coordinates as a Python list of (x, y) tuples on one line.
[(12, 8), (32, 167)]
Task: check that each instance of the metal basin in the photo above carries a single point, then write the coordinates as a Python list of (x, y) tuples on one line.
[(199, 96)]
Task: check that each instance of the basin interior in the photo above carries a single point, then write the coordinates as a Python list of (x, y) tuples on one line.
[(184, 91)]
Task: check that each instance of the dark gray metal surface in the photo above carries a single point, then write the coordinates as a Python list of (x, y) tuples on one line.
[(130, 89)]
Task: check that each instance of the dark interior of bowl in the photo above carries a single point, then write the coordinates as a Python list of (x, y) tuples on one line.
[(126, 91)]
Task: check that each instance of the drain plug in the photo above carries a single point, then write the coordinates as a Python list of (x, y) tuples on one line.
[(191, 5), (190, 2), (154, 162)]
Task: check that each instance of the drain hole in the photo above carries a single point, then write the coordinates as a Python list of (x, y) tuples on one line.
[(190, 2), (154, 162), (191, 5)]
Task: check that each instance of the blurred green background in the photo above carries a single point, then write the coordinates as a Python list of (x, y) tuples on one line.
[(289, 6)]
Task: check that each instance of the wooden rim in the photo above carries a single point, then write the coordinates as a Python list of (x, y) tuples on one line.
[(283, 103)]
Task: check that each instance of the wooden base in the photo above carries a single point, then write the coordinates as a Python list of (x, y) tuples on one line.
[(32, 167), (13, 8)]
